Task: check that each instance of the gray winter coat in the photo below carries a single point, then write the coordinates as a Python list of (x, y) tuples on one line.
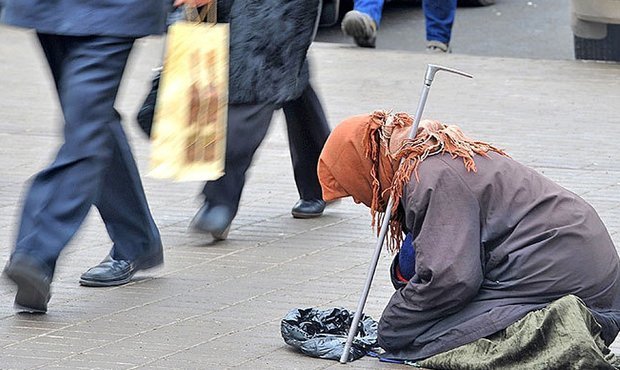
[(490, 247)]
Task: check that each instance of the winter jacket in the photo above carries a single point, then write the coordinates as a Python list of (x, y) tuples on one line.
[(491, 246), (269, 40)]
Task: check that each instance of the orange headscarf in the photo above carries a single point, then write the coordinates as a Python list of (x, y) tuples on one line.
[(362, 154)]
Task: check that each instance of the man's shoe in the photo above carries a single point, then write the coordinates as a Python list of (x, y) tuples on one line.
[(437, 47), (33, 284), (112, 272), (308, 208), (214, 221), (361, 27), (109, 272)]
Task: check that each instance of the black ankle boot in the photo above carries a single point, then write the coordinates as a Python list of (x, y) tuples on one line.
[(308, 208), (214, 220)]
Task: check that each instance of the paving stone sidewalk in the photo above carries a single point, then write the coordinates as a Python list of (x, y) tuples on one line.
[(217, 306)]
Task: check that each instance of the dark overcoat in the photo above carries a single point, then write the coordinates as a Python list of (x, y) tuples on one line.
[(122, 18), (492, 246), (269, 40)]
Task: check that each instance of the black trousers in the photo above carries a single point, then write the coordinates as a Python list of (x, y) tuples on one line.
[(247, 126)]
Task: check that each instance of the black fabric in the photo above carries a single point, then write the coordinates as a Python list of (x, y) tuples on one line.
[(247, 127), (308, 130), (323, 333), (147, 110), (269, 40), (249, 122), (395, 281)]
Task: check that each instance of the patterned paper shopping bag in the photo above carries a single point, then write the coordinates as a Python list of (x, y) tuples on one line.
[(189, 128)]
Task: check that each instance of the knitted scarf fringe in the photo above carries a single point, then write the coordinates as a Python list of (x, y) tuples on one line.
[(436, 138)]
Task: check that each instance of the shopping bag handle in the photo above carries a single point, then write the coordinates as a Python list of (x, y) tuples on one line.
[(208, 13)]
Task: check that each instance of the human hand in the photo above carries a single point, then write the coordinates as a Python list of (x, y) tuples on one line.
[(192, 2)]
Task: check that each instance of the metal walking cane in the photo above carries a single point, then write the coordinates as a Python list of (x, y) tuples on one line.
[(431, 70)]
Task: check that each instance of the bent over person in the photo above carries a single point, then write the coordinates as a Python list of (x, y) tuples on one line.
[(502, 267), (94, 166)]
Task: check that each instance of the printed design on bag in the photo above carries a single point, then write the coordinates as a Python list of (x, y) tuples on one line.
[(203, 108), (189, 126)]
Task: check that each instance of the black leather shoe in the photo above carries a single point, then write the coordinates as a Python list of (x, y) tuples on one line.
[(214, 220), (308, 208), (111, 272), (33, 284)]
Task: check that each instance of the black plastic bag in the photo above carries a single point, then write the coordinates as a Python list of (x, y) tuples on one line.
[(323, 333), (147, 110)]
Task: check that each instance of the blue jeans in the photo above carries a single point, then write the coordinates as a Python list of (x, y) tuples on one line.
[(439, 17), (373, 8), (438, 14)]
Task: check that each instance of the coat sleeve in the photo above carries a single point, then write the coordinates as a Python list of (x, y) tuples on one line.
[(444, 216)]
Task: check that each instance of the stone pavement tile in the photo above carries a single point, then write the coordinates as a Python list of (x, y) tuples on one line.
[(288, 358), (87, 335), (18, 334), (181, 335), (180, 361), (10, 362), (120, 360), (34, 323), (37, 350), (73, 366), (220, 355)]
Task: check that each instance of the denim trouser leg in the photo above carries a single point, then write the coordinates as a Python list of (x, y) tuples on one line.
[(373, 8), (439, 16)]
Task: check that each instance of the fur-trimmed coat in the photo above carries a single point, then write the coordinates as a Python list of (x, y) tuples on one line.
[(269, 40)]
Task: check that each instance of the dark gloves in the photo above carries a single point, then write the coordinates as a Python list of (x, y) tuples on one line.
[(403, 266), (406, 258)]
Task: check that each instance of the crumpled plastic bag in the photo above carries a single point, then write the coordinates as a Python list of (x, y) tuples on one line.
[(323, 333)]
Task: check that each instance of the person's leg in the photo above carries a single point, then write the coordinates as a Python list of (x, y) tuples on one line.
[(374, 8), (362, 22), (439, 18), (246, 129), (307, 131), (87, 72), (124, 208)]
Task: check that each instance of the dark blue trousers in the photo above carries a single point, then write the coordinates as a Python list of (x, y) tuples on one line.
[(94, 165)]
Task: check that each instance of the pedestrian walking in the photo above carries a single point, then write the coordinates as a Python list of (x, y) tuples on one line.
[(86, 45), (269, 40), (502, 268), (362, 23)]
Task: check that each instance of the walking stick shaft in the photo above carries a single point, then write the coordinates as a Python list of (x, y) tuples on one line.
[(428, 80)]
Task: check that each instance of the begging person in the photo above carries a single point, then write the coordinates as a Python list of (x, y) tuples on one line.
[(501, 267)]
